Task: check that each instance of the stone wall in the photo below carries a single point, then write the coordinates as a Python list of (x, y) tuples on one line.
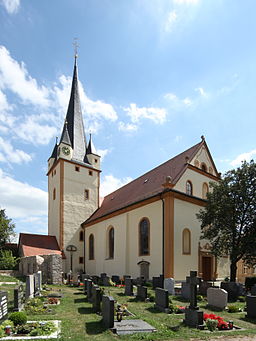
[(50, 265)]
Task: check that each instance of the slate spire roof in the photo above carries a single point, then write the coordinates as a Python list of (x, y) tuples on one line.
[(90, 148), (65, 135), (73, 130)]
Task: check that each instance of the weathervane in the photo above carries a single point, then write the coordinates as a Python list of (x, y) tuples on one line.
[(75, 44)]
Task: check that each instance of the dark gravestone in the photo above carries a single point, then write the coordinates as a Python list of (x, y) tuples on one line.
[(185, 290), (89, 290), (253, 290), (95, 279), (193, 317), (140, 281), (96, 299), (158, 282), (128, 291), (233, 289), (115, 279), (126, 276), (103, 275), (105, 281), (251, 306), (19, 298), (83, 277), (3, 306), (162, 300), (85, 285), (203, 286), (37, 286), (108, 305), (142, 292)]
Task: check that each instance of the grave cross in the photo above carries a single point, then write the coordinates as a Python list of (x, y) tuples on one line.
[(193, 280)]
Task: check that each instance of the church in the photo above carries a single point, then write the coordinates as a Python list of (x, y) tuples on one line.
[(145, 228)]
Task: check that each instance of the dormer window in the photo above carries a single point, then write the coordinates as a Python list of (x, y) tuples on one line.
[(189, 188)]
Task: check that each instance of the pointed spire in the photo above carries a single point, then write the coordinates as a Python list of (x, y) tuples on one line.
[(74, 119), (90, 148), (55, 150), (65, 136)]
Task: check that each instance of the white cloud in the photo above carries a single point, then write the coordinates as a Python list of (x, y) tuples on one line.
[(11, 155), (201, 91), (15, 77), (243, 157), (127, 127), (157, 115), (177, 103), (170, 21), (186, 2), (11, 6), (178, 138), (35, 131), (109, 184), (21, 200), (102, 153)]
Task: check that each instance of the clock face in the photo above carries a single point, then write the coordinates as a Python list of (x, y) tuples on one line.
[(65, 150)]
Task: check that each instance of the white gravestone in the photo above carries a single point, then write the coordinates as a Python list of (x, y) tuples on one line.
[(30, 289), (217, 298), (169, 285)]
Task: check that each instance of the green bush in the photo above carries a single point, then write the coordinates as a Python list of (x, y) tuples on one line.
[(241, 298), (7, 260), (232, 308), (211, 324), (18, 318), (200, 298)]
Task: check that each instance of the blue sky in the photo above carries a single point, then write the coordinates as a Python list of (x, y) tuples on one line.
[(154, 75)]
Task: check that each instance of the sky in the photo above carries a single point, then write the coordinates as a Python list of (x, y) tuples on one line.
[(154, 76)]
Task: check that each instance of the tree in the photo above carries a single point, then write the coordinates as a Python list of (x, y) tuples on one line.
[(6, 228), (229, 219)]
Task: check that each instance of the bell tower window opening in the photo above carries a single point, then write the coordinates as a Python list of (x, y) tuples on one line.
[(86, 194), (54, 194), (77, 168), (189, 188), (81, 236)]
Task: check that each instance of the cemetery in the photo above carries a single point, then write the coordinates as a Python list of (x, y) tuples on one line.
[(98, 306)]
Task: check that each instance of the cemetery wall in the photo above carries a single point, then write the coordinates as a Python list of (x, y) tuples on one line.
[(50, 265), (126, 254)]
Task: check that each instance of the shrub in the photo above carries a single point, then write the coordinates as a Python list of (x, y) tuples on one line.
[(211, 324), (232, 308), (241, 298), (7, 260), (18, 318), (200, 298)]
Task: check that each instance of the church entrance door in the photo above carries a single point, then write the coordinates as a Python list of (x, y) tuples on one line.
[(207, 268)]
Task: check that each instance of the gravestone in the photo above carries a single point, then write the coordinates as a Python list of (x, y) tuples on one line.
[(3, 306), (251, 306), (126, 276), (19, 298), (108, 305), (30, 286), (126, 327), (185, 290), (95, 279), (37, 284), (115, 279), (89, 290), (142, 292), (158, 282), (217, 298), (128, 291), (83, 277), (193, 316), (162, 300), (85, 286), (105, 281), (169, 285), (233, 289), (140, 281), (203, 286), (253, 290), (96, 299)]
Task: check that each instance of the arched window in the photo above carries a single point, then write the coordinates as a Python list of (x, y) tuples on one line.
[(203, 167), (81, 236), (91, 247), (189, 188), (205, 190), (186, 242), (111, 242), (144, 237)]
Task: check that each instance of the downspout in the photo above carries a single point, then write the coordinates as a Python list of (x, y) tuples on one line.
[(163, 235), (84, 246)]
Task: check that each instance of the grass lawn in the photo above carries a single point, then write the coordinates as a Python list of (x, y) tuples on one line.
[(80, 323)]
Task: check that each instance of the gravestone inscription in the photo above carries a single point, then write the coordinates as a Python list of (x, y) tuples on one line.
[(108, 311)]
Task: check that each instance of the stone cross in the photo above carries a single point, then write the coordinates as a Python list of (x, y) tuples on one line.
[(193, 280)]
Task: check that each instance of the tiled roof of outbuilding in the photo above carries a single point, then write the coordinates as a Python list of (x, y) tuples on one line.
[(38, 244)]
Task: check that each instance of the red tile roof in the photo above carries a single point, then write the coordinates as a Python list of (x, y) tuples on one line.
[(38, 244), (146, 185)]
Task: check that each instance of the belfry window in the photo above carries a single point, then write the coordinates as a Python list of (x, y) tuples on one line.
[(205, 190), (144, 237), (54, 194), (81, 236), (189, 188)]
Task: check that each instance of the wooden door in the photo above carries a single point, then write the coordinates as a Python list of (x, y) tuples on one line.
[(207, 268)]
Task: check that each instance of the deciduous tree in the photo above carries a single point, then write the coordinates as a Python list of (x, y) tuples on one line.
[(6, 228)]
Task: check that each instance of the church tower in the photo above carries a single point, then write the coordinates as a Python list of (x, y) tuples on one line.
[(73, 183)]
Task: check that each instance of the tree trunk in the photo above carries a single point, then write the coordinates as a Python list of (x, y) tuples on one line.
[(233, 269)]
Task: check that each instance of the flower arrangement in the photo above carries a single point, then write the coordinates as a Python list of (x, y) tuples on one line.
[(221, 325)]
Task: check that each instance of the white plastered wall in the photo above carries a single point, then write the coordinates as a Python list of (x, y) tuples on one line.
[(54, 205), (126, 254)]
